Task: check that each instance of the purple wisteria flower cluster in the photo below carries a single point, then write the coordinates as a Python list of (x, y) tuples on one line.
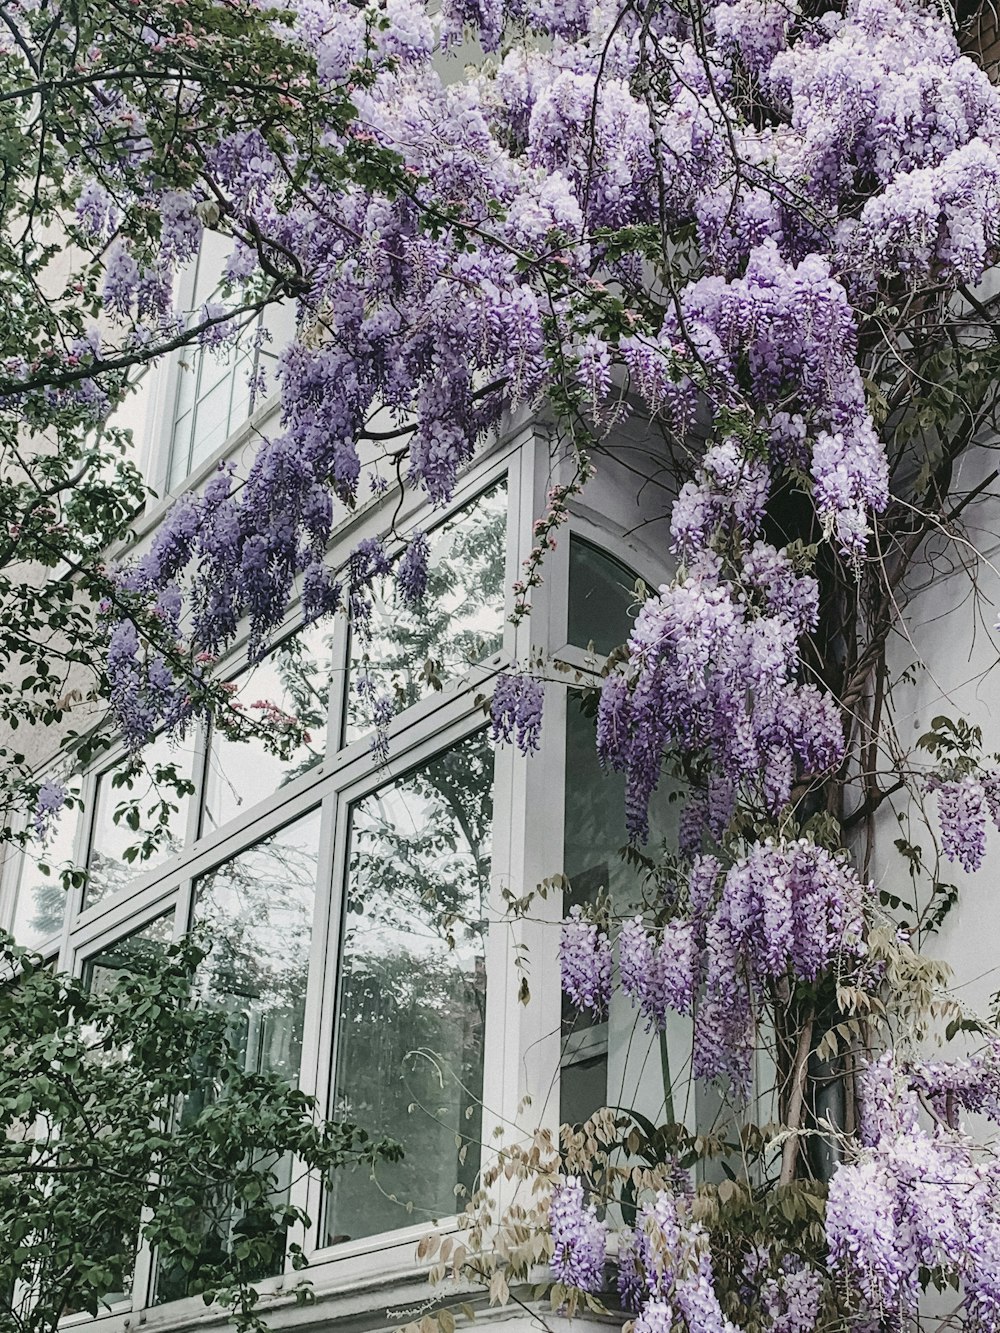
[(585, 958), (784, 911), (579, 1239), (48, 807), (666, 1273), (712, 667), (516, 711), (918, 1199), (963, 805)]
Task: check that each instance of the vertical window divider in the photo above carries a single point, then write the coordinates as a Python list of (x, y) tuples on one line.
[(319, 1020), (340, 667), (77, 896), (199, 763), (325, 985), (11, 870)]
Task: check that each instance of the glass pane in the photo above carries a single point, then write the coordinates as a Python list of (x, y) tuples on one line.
[(409, 1058), (100, 973), (187, 380), (257, 911), (295, 677), (460, 622), (211, 421), (239, 408), (614, 1062), (40, 907), (120, 853), (103, 969), (601, 597), (180, 451), (211, 258)]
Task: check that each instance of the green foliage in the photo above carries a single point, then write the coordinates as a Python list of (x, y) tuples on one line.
[(126, 1114)]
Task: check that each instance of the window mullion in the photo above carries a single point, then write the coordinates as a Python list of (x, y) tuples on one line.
[(324, 981)]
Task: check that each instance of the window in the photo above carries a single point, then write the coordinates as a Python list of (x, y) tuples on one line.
[(615, 1062), (46, 880), (212, 387), (602, 597), (407, 653), (355, 905), (124, 841), (257, 910), (412, 994), (103, 969), (295, 677)]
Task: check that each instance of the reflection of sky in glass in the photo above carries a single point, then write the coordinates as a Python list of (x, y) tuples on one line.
[(108, 872), (413, 987), (40, 907), (257, 909), (459, 623), (296, 677)]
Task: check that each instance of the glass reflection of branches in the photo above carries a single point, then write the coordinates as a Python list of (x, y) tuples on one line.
[(140, 817), (46, 877), (409, 1058), (404, 653), (257, 911), (293, 682)]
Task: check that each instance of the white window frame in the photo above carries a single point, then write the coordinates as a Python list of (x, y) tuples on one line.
[(521, 1073)]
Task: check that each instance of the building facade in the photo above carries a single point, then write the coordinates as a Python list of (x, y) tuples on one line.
[(384, 919)]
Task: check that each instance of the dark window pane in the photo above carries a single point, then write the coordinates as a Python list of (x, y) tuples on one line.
[(618, 1051), (601, 597)]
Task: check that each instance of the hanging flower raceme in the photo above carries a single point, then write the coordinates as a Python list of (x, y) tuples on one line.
[(585, 958), (666, 1271), (48, 807), (659, 971), (785, 910), (516, 711), (578, 1238), (711, 668), (963, 804), (916, 1200)]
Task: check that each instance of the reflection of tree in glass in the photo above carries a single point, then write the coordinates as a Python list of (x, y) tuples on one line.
[(413, 990), (46, 877), (459, 622), (48, 906), (294, 681), (139, 821), (305, 682), (256, 911)]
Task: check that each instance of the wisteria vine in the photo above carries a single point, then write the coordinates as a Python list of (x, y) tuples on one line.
[(733, 222)]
